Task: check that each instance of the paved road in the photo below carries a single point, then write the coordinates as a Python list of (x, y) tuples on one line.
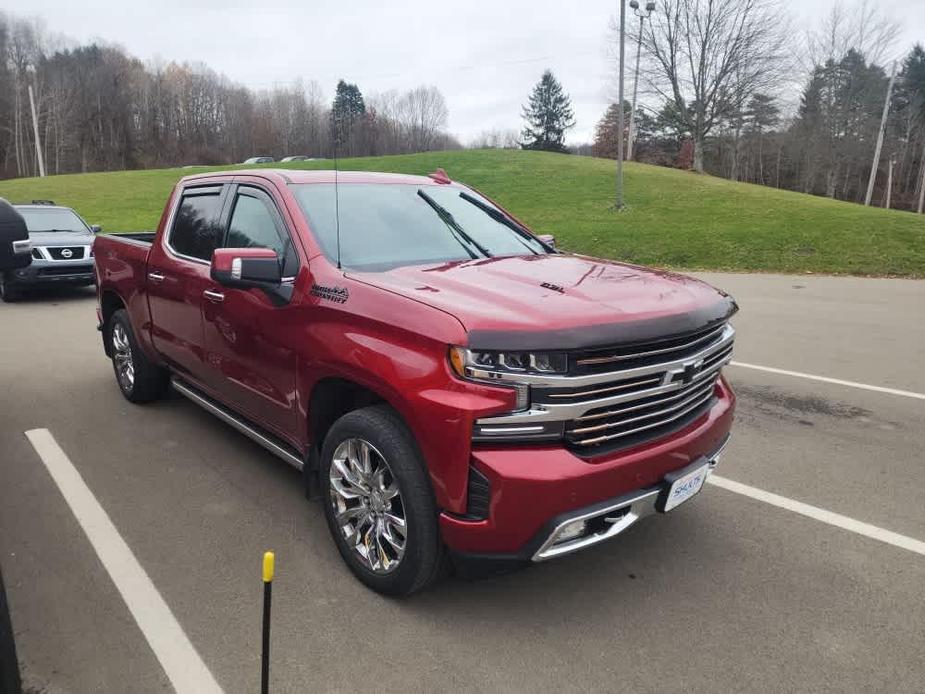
[(726, 594)]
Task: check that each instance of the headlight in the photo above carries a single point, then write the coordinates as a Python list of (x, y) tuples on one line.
[(465, 362), (501, 368)]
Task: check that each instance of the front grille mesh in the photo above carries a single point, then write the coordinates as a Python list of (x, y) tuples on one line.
[(73, 252)]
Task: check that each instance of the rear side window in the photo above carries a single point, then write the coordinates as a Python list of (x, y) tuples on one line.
[(196, 231)]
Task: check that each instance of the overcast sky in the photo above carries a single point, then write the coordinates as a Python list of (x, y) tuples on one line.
[(484, 56)]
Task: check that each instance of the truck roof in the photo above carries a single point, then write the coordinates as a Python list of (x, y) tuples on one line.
[(286, 176)]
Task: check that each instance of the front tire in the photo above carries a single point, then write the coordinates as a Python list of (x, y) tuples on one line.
[(379, 504), (139, 379), (8, 291)]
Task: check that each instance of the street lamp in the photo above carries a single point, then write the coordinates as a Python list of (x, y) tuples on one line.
[(618, 202), (650, 8)]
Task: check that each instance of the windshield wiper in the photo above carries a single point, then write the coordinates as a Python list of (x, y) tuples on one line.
[(451, 222), (499, 217)]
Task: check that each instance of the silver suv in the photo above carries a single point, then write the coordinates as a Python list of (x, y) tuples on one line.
[(62, 250)]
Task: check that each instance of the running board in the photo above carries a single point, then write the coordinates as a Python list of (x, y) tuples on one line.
[(254, 433)]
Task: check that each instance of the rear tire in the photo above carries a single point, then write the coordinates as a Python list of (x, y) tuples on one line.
[(139, 379), (8, 291), (382, 515)]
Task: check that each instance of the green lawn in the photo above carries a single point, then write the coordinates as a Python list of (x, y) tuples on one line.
[(675, 219)]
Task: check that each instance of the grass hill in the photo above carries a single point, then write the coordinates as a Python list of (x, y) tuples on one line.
[(675, 218)]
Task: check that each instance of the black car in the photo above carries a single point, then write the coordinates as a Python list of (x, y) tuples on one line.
[(14, 239)]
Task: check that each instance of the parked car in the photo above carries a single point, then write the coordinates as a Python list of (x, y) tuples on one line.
[(259, 160), (15, 247), (61, 250), (450, 385), (296, 157)]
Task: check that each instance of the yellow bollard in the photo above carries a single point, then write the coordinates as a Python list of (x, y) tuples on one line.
[(269, 561)]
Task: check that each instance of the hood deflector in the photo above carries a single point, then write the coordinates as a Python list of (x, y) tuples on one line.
[(605, 335)]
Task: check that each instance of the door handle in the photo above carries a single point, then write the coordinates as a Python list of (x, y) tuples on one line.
[(215, 297), (155, 276)]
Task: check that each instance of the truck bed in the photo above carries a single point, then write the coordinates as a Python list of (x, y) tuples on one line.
[(146, 237), (121, 271)]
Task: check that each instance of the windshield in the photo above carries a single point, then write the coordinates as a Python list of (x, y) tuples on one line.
[(383, 226), (52, 219)]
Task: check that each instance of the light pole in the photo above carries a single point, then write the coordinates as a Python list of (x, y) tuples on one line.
[(618, 204), (876, 162), (650, 8)]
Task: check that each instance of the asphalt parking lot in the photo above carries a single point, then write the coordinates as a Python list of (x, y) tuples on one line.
[(728, 593)]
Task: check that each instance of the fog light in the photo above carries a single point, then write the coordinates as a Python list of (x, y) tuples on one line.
[(570, 531)]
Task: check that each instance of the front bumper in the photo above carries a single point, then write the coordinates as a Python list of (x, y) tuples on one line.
[(610, 518), (54, 273), (536, 489)]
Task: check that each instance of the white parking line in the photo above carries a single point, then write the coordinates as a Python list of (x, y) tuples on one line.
[(820, 514), (182, 664), (826, 379)]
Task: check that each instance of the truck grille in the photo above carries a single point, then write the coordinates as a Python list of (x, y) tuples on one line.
[(621, 396), (608, 424), (656, 400)]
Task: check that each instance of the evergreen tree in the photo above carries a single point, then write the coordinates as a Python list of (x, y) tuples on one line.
[(348, 108), (608, 131), (910, 89), (548, 115), (836, 124)]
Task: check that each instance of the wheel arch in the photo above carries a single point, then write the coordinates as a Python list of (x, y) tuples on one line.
[(110, 302), (331, 397)]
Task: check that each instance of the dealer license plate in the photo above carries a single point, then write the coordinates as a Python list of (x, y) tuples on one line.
[(685, 487)]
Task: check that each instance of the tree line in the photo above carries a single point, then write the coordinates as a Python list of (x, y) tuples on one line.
[(99, 108), (733, 91)]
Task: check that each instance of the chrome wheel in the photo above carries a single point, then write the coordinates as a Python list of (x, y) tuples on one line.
[(122, 357), (367, 505)]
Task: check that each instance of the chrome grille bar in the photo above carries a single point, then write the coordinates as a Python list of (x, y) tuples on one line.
[(610, 389), (591, 361), (651, 425), (696, 389)]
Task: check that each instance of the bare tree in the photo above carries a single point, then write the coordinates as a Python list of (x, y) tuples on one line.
[(708, 57), (496, 139), (422, 111), (860, 27)]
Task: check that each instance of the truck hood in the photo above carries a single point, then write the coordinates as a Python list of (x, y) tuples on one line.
[(60, 238), (559, 301)]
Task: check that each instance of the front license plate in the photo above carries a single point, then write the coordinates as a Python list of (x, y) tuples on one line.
[(686, 486)]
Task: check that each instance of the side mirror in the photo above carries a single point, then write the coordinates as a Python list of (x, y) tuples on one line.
[(96, 228), (245, 268), (548, 239)]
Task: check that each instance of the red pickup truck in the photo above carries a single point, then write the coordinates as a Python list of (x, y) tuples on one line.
[(452, 386)]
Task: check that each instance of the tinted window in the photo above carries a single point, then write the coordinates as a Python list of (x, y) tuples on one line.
[(52, 219), (196, 230), (255, 224), (388, 225)]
